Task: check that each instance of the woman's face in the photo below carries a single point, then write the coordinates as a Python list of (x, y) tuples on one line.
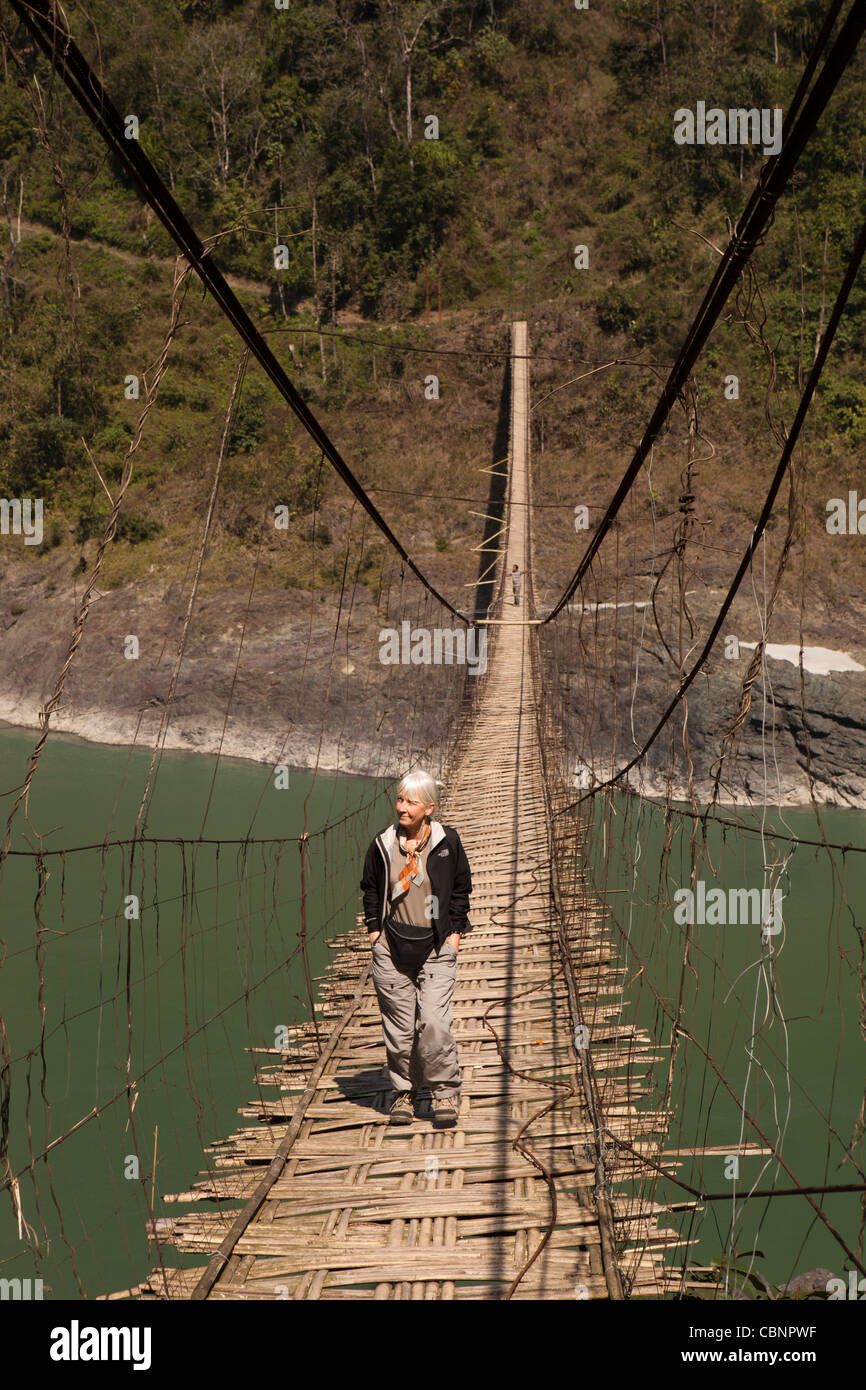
[(411, 813)]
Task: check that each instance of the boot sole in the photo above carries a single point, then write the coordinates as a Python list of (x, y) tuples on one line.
[(444, 1121)]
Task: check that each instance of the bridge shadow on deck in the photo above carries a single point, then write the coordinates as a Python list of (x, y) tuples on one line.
[(485, 586)]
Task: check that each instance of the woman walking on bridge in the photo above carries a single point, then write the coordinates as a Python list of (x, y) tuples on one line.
[(416, 886), (516, 579)]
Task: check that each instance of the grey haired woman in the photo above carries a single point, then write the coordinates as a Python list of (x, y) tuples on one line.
[(416, 884)]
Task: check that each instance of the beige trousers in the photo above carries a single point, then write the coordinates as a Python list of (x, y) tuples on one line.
[(417, 1019)]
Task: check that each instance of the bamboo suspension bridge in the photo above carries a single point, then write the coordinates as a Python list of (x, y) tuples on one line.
[(519, 1199), (608, 1052)]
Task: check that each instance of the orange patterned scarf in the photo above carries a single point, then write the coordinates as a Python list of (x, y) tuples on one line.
[(413, 862)]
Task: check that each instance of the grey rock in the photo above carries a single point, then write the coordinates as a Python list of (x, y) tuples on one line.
[(810, 1281)]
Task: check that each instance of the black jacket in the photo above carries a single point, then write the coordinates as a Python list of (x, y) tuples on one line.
[(447, 871)]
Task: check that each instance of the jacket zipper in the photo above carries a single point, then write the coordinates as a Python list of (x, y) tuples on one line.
[(385, 893)]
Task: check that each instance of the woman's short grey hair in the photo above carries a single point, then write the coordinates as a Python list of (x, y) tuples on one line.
[(419, 786)]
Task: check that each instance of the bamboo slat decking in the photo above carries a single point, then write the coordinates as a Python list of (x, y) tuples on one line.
[(348, 1207)]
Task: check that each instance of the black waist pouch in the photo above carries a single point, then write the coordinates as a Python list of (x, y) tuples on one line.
[(409, 945)]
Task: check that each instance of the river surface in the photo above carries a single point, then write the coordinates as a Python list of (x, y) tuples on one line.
[(783, 1034), (101, 1004), (209, 968)]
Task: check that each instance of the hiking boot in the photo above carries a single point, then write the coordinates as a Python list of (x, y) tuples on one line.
[(402, 1108), (444, 1111)]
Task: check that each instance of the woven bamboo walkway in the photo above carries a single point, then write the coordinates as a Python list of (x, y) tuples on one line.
[(351, 1208)]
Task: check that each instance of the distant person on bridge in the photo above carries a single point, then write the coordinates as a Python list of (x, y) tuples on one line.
[(516, 577), (416, 886)]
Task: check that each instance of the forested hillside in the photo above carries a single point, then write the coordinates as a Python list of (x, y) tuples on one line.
[(396, 151), (306, 127)]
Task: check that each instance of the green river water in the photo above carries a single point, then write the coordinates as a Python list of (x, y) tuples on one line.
[(807, 1068), (214, 969)]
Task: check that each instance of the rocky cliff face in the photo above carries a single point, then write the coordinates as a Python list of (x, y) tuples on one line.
[(797, 724), (277, 680)]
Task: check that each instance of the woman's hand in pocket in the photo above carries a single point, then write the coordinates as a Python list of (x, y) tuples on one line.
[(374, 937), (454, 938)]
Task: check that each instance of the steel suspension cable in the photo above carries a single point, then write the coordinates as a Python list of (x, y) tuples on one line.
[(42, 21), (771, 184), (760, 526)]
